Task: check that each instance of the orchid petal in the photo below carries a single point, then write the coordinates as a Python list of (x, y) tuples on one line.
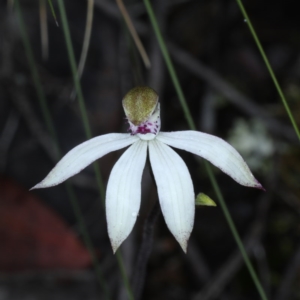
[(213, 149), (175, 190), (123, 196), (83, 155)]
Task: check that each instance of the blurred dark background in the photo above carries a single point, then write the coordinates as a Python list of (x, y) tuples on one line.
[(230, 94)]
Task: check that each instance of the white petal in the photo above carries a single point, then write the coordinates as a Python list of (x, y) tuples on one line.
[(215, 150), (83, 155), (123, 196), (175, 190)]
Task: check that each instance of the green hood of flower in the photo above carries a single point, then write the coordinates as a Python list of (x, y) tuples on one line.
[(139, 104)]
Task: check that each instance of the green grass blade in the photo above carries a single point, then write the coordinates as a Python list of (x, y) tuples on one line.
[(87, 36), (53, 11), (170, 66), (87, 240), (208, 167), (84, 116), (269, 67), (235, 232), (49, 124), (35, 76), (78, 89)]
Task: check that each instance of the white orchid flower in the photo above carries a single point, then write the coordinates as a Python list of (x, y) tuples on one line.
[(173, 180)]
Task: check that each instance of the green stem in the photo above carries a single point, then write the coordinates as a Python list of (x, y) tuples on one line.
[(53, 11), (86, 238), (84, 116), (268, 65), (208, 167), (234, 231), (75, 74), (169, 64), (35, 76), (123, 273), (78, 89), (51, 129)]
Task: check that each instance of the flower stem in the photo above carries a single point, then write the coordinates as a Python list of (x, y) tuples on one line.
[(193, 127), (269, 67)]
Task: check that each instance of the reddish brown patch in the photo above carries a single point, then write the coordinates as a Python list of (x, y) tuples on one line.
[(33, 236)]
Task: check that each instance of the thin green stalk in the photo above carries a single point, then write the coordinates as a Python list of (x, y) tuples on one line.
[(35, 75), (124, 275), (208, 167), (268, 65), (234, 231), (78, 89), (86, 238), (87, 36), (75, 74), (169, 64), (51, 129), (84, 116), (53, 11), (138, 43)]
